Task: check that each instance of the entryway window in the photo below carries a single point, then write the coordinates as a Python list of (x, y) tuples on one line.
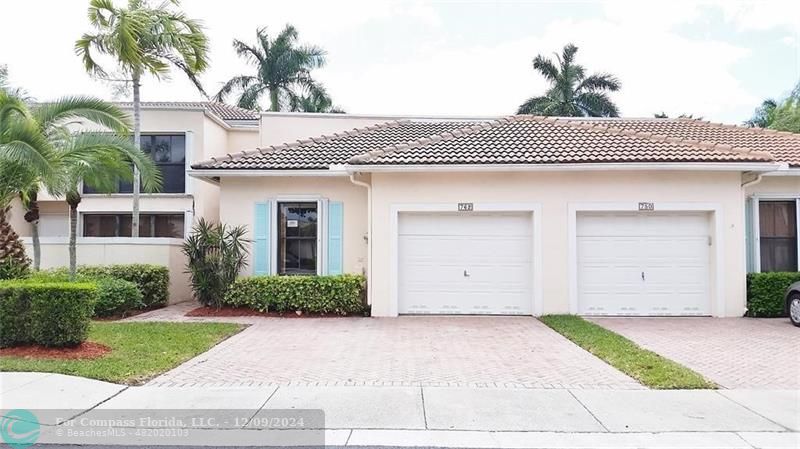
[(778, 235), (297, 238)]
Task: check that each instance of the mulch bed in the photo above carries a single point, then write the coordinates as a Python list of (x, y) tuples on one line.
[(244, 311), (85, 350)]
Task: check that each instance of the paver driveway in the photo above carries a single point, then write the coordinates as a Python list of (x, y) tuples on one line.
[(504, 352), (732, 352)]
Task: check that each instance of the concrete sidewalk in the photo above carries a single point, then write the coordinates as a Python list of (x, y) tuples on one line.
[(453, 417)]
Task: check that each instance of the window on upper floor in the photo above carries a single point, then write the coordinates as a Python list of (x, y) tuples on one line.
[(119, 225), (169, 153)]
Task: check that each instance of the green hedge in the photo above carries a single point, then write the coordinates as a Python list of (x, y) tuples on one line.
[(340, 294), (765, 293), (152, 280), (115, 297), (49, 314)]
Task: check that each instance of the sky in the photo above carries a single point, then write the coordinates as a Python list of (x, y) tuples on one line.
[(712, 59)]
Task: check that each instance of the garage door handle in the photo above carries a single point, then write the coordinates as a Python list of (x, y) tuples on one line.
[(642, 275), (466, 274)]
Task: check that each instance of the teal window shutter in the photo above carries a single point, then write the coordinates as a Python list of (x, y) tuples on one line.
[(261, 242), (335, 231)]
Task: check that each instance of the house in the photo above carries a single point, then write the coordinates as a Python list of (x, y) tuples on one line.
[(480, 215), (520, 215)]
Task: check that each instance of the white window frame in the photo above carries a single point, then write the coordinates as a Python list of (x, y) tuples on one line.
[(535, 209), (766, 197), (718, 244), (322, 229)]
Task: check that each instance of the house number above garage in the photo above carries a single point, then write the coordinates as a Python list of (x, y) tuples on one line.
[(465, 207), (647, 206)]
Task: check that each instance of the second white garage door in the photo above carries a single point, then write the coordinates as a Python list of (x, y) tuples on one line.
[(465, 263), (643, 263)]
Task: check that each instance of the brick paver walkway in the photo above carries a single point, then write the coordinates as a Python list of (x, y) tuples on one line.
[(733, 352), (498, 352)]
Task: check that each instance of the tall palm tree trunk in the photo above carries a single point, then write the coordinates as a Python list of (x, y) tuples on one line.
[(32, 217), (137, 141), (73, 199), (274, 104)]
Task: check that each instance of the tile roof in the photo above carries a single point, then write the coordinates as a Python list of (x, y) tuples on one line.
[(321, 152), (222, 110), (548, 140), (783, 146), (521, 140)]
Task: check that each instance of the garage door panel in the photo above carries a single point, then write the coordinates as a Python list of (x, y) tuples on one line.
[(660, 268), (465, 264)]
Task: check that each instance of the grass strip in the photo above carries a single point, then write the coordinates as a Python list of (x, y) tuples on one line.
[(647, 367)]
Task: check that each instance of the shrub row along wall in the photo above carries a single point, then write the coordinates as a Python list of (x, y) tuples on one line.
[(766, 293), (152, 281), (340, 294), (49, 314)]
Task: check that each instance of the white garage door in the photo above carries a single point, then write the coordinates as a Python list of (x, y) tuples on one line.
[(643, 264), (465, 263)]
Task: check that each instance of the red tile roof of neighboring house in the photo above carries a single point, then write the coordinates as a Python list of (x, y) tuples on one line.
[(222, 110)]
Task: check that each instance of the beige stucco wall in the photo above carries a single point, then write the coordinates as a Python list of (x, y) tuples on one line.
[(107, 251), (278, 128), (238, 196), (780, 185), (555, 191)]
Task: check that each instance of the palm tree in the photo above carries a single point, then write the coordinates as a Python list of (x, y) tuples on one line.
[(38, 150), (764, 114), (571, 92), (23, 152), (317, 100), (99, 160), (50, 119), (143, 39), (282, 68)]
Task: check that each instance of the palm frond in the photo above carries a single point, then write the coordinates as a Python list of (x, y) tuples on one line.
[(596, 104), (600, 81), (81, 107), (535, 105)]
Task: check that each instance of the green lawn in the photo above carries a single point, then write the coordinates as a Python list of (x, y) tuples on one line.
[(645, 366), (139, 351)]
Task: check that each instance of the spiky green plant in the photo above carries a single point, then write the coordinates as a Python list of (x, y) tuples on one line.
[(216, 254)]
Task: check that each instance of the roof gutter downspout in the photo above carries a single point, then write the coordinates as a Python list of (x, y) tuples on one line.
[(369, 232), (753, 182)]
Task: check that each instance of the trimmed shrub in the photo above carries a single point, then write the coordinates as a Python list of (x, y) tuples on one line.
[(115, 297), (765, 293), (49, 314), (151, 280), (340, 294)]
